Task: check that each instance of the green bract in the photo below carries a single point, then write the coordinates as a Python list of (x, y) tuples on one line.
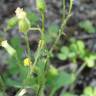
[(41, 5), (12, 22), (24, 25)]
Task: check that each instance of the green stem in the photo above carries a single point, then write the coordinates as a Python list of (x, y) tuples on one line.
[(35, 29), (29, 56), (77, 74), (80, 69), (64, 9), (41, 88), (60, 31), (40, 91), (28, 47), (2, 84), (42, 38), (58, 37), (37, 55), (43, 22)]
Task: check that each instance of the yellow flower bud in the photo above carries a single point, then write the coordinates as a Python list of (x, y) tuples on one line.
[(27, 62)]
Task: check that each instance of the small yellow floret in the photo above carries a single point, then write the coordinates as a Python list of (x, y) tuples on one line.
[(27, 62), (20, 13)]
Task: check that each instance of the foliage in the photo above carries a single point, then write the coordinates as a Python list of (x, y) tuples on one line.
[(77, 50), (87, 26), (28, 70)]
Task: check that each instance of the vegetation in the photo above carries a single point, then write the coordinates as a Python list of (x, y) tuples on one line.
[(34, 70)]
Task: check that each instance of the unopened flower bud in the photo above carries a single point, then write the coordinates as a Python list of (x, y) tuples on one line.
[(20, 13), (41, 5), (8, 48), (24, 25), (53, 71)]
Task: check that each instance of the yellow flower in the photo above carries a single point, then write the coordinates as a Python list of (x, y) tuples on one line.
[(27, 62), (20, 13)]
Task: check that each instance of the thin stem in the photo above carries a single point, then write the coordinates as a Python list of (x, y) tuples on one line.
[(43, 22), (60, 32), (42, 38), (29, 56), (77, 74), (2, 84), (80, 69), (71, 5), (41, 88), (40, 91), (35, 29), (64, 9), (28, 47), (38, 49), (37, 56)]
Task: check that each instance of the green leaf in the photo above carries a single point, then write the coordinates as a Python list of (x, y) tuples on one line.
[(72, 55), (52, 32), (64, 53), (88, 91), (11, 23), (33, 18), (81, 48), (67, 94), (90, 60), (16, 43), (95, 91), (13, 83), (73, 48), (63, 79), (52, 75), (87, 26), (62, 56), (53, 71)]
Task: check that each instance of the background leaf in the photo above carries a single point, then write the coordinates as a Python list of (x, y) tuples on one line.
[(87, 26)]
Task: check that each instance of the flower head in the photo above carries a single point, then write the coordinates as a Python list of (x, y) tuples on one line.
[(20, 13), (27, 62)]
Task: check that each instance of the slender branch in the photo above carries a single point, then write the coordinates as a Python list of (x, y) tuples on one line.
[(28, 47), (64, 9)]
